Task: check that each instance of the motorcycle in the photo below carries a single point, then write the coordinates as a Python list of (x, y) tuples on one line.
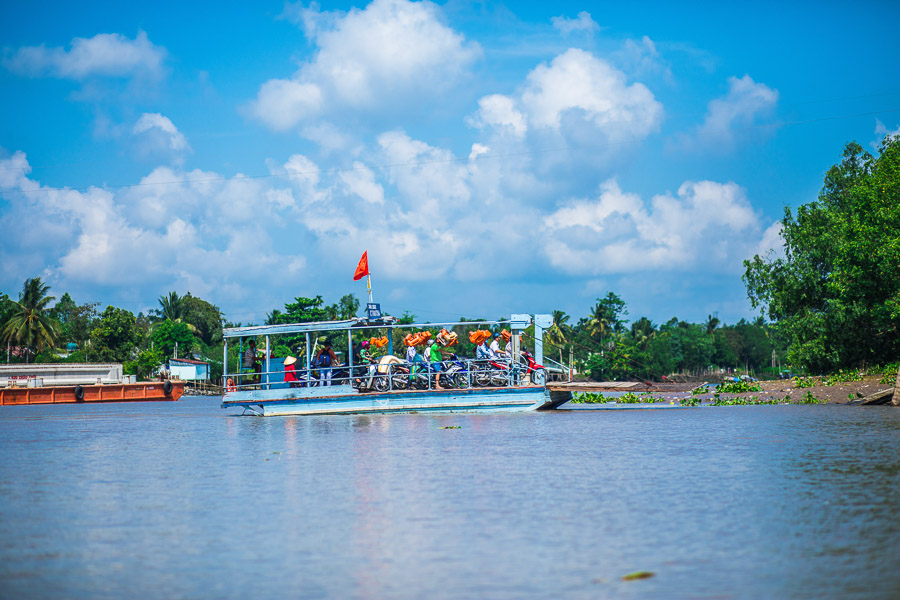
[(455, 372), (370, 379), (488, 372), (537, 373)]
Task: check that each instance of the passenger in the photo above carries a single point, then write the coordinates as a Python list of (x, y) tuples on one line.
[(411, 355), (290, 372), (365, 354), (364, 358), (481, 351), (495, 351), (325, 360), (251, 362), (437, 362)]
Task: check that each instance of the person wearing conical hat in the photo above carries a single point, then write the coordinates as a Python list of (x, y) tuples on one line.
[(290, 371)]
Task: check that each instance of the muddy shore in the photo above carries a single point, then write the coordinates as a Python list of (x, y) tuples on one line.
[(837, 393)]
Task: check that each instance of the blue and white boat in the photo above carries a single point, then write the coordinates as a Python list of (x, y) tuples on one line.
[(391, 386)]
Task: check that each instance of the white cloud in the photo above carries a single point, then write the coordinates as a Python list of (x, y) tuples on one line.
[(745, 105), (104, 55), (583, 22), (498, 110), (361, 182), (478, 150), (579, 86), (282, 103), (642, 59), (881, 132), (391, 53), (156, 134), (707, 224), (771, 241)]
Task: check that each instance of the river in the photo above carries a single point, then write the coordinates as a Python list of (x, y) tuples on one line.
[(186, 500)]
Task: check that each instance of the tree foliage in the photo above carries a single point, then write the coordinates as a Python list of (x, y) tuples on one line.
[(29, 323), (115, 338), (835, 293), (76, 320), (167, 333), (205, 319)]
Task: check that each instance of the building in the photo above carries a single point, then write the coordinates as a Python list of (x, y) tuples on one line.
[(188, 369)]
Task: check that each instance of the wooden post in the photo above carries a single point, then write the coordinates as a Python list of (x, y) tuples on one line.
[(895, 399)]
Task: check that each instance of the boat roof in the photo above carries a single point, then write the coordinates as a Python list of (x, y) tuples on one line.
[(514, 322)]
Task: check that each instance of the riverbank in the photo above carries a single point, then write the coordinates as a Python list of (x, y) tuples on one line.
[(799, 389), (807, 390)]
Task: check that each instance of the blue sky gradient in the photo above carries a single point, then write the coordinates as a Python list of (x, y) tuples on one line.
[(492, 158)]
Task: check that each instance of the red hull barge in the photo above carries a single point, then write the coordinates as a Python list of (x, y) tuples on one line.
[(147, 391)]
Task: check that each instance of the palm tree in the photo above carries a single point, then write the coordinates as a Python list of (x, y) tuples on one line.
[(30, 325), (711, 323), (599, 322), (557, 332), (172, 307), (642, 331)]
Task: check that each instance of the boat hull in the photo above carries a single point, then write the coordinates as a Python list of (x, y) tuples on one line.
[(149, 391), (344, 400)]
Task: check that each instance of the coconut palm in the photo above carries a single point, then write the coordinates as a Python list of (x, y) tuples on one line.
[(558, 331), (600, 322), (711, 323), (642, 331), (173, 308), (30, 325)]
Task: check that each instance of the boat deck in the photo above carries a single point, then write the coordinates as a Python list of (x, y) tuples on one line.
[(348, 401)]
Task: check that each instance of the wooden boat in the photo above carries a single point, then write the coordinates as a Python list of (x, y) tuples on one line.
[(117, 392), (509, 387)]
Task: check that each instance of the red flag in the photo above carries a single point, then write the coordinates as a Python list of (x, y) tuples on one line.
[(362, 269)]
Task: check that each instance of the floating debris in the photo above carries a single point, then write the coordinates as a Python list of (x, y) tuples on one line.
[(451, 427), (638, 575)]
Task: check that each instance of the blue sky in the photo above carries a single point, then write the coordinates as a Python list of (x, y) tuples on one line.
[(492, 158)]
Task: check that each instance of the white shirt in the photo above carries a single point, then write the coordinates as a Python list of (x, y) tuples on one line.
[(496, 353)]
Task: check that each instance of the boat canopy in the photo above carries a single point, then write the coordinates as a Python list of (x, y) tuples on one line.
[(514, 322)]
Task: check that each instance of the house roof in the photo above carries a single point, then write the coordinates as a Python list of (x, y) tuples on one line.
[(188, 361)]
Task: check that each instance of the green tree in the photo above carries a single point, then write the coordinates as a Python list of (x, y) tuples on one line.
[(835, 293), (146, 363), (712, 322), (558, 333), (115, 338), (171, 307), (167, 333), (29, 323), (76, 320), (204, 319), (606, 316)]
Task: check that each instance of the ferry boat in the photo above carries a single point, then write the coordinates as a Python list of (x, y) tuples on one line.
[(393, 385)]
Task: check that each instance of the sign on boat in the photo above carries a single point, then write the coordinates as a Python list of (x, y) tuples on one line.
[(392, 385)]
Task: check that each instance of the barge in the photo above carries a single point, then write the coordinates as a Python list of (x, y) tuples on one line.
[(145, 391)]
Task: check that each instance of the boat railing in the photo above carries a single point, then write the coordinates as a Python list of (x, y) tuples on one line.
[(395, 375)]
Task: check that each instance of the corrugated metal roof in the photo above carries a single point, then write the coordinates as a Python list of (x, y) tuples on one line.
[(188, 361)]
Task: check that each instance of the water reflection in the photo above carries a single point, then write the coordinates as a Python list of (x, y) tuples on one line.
[(183, 500)]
